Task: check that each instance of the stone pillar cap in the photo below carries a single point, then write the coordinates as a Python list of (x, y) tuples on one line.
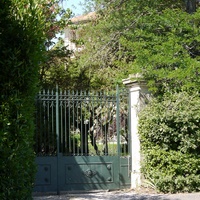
[(134, 79)]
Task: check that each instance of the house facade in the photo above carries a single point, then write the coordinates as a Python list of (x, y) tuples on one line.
[(71, 33)]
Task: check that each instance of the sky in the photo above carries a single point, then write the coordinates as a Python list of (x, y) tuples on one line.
[(74, 5)]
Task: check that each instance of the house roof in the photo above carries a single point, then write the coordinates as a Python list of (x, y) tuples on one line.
[(84, 18)]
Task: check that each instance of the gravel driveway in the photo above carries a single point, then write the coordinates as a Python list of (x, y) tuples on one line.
[(119, 195)]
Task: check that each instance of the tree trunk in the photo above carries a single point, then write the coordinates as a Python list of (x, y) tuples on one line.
[(190, 6)]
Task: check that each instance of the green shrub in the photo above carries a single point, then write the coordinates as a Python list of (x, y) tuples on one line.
[(21, 41), (170, 138)]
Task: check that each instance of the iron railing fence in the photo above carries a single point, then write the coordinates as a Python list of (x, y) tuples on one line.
[(78, 123)]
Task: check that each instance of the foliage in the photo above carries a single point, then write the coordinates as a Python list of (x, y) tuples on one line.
[(54, 69), (159, 39), (170, 137), (156, 38), (56, 19), (167, 50), (172, 171), (56, 65), (21, 48), (59, 69)]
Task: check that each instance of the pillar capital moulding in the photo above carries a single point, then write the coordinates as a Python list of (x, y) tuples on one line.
[(135, 82)]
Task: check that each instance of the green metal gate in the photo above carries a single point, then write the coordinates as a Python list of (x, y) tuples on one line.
[(82, 141)]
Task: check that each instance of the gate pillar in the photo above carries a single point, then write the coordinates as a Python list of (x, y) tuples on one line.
[(139, 95)]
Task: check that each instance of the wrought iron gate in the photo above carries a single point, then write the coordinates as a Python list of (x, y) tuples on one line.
[(82, 141)]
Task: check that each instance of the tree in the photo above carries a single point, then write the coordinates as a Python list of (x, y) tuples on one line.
[(57, 58), (158, 39)]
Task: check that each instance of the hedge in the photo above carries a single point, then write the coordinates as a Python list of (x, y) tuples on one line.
[(169, 131), (21, 47)]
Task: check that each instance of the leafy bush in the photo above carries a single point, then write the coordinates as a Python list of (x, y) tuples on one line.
[(170, 138), (21, 41)]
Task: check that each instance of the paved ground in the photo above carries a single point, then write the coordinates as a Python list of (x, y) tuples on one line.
[(119, 195)]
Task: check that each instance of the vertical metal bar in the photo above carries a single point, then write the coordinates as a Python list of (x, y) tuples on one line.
[(57, 120), (73, 143), (118, 120), (81, 127), (40, 124), (77, 124), (48, 125), (111, 129), (100, 96), (58, 138), (106, 122), (85, 131), (110, 116), (93, 122), (61, 122), (69, 121), (65, 122), (37, 127), (94, 137), (44, 124), (52, 122)]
